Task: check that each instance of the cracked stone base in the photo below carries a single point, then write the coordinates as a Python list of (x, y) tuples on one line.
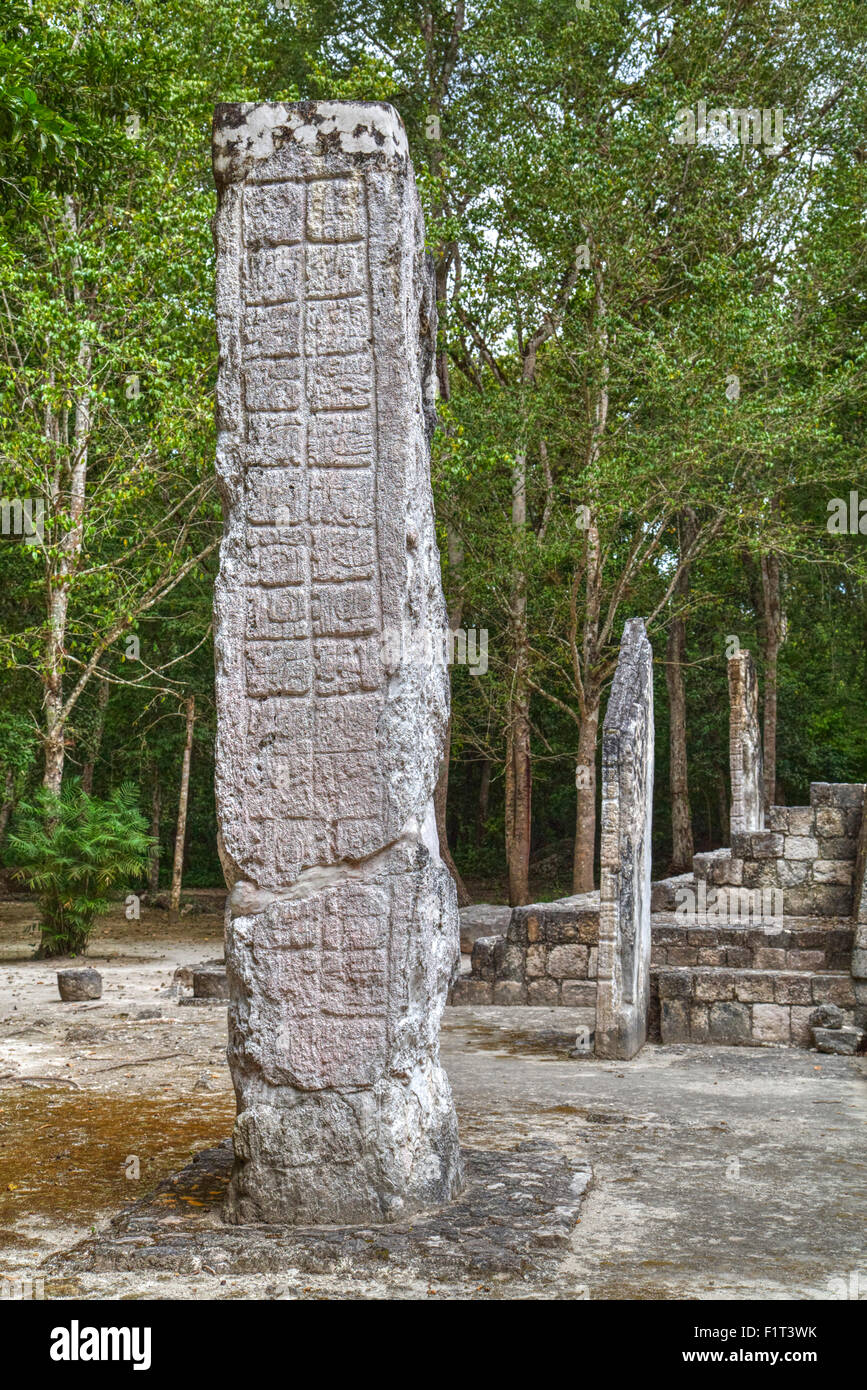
[(515, 1218), (374, 1155)]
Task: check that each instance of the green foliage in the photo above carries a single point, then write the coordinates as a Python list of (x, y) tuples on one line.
[(70, 850)]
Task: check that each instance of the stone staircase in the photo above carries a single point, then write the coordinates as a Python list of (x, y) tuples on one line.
[(747, 984), (744, 950), (748, 946)]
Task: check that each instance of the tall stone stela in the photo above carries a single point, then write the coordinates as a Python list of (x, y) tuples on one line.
[(623, 978), (332, 688), (745, 745)]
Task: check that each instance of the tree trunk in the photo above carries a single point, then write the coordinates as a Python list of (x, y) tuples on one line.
[(585, 782), (518, 758), (518, 800), (441, 792), (7, 804), (61, 570), (95, 742), (154, 857), (682, 844), (725, 816), (484, 800), (180, 834)]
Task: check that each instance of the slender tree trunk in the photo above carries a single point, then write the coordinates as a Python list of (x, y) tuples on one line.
[(96, 739), (7, 803), (180, 834), (682, 845), (154, 858), (585, 782), (723, 808), (585, 662), (518, 757), (484, 800), (774, 636), (61, 570), (441, 790)]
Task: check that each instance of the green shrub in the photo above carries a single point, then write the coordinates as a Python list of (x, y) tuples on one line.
[(70, 850)]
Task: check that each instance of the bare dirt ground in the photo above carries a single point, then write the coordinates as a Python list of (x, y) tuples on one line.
[(718, 1173)]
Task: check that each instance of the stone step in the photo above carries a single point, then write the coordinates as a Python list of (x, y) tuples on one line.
[(707, 1004), (568, 993), (823, 944)]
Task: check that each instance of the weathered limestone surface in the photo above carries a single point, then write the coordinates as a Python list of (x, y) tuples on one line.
[(623, 985), (859, 916), (342, 924), (745, 745)]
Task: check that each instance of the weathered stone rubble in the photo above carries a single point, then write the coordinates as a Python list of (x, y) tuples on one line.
[(332, 689)]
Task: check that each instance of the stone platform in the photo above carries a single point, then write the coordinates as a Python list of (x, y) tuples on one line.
[(515, 1217)]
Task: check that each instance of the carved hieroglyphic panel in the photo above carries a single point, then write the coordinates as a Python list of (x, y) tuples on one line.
[(312, 645)]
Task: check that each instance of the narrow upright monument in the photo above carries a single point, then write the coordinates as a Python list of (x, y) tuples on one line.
[(745, 745), (623, 983), (332, 687)]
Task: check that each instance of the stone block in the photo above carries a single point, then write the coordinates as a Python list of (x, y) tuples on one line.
[(683, 955), (730, 872), (509, 992), (763, 844), (699, 1027), (674, 1021), (588, 929), (469, 991), (567, 962), (754, 988), (543, 992), (210, 982), (792, 872), (800, 847), (827, 1016), (712, 955), (801, 820), (675, 984), (833, 871), (845, 1042), (729, 1023), (840, 847), (800, 1025), (78, 984), (482, 958), (739, 957), (535, 965), (771, 1023), (769, 958), (715, 984), (793, 989), (578, 994), (805, 960), (831, 821), (833, 989), (509, 961)]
